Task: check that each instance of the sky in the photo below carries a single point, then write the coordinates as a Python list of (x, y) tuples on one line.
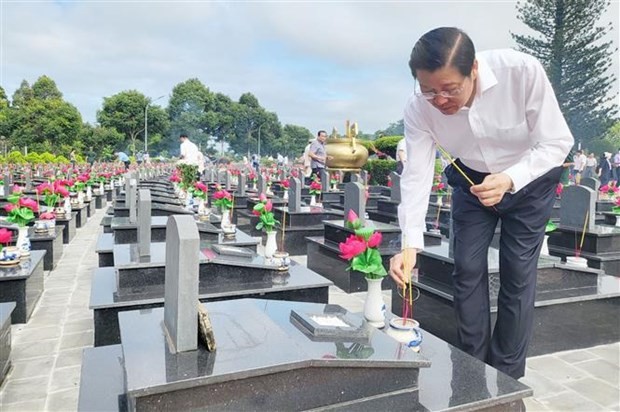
[(314, 63)]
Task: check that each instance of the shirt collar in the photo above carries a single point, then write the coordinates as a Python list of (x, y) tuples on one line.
[(486, 77)]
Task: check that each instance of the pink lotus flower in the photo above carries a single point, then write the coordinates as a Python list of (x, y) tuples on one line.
[(558, 189), (375, 239), (62, 191), (17, 189), (262, 197), (222, 194), (5, 236), (315, 185), (269, 206), (9, 207), (29, 203), (352, 216), (353, 246), (255, 212), (200, 186), (47, 216), (285, 184), (295, 173), (45, 188)]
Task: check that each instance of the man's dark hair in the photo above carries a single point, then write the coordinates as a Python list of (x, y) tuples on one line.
[(320, 131), (182, 135), (441, 47)]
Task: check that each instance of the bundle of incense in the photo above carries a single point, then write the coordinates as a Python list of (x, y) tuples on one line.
[(583, 234)]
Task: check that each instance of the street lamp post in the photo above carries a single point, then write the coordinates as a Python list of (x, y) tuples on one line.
[(259, 139), (146, 124)]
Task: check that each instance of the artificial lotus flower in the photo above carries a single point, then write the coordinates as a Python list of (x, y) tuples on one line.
[(352, 247), (375, 239)]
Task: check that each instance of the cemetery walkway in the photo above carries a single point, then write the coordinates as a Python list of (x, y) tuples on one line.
[(47, 351)]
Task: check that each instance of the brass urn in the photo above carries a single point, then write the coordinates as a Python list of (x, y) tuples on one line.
[(344, 153)]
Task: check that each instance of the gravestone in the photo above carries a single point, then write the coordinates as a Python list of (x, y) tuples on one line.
[(261, 184), (28, 178), (132, 198), (8, 183), (211, 175), (577, 203), (324, 176), (355, 199), (227, 179), (181, 287), (395, 189), (144, 222), (592, 183), (294, 195), (364, 177), (356, 178), (242, 184)]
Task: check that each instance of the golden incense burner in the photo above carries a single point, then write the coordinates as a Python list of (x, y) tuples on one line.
[(344, 153)]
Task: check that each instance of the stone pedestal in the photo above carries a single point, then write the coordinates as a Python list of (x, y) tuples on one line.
[(23, 284), (69, 227), (50, 242)]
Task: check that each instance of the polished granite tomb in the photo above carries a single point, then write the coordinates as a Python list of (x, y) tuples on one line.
[(23, 284), (574, 307), (6, 308), (224, 273), (264, 360), (51, 242), (69, 227)]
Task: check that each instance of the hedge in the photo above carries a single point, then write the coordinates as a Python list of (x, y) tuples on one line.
[(379, 170), (387, 145)]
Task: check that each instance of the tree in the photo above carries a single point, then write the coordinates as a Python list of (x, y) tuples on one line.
[(186, 110), (292, 141), (45, 88), (100, 139), (570, 46), (23, 94), (394, 129), (125, 113)]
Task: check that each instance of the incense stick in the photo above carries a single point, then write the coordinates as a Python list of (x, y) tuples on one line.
[(583, 233), (438, 216), (283, 227)]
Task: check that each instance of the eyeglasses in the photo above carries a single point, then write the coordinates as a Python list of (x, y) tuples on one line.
[(445, 94)]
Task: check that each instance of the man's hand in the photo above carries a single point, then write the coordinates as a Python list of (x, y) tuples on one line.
[(492, 189), (398, 271)]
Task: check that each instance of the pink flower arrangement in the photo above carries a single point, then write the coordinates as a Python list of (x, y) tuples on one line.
[(47, 216), (295, 173), (559, 189), (361, 250), (252, 176), (175, 178), (609, 188), (20, 210), (5, 237), (315, 187), (263, 210), (223, 200), (285, 183), (200, 190), (389, 182), (616, 207)]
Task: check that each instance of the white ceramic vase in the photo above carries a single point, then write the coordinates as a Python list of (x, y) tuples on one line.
[(23, 241), (544, 250), (225, 218), (271, 246), (618, 221), (374, 307), (313, 200), (285, 195)]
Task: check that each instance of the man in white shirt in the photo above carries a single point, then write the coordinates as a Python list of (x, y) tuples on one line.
[(190, 153), (579, 164), (496, 112)]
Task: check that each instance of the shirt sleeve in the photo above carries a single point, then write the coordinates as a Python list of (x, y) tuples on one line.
[(416, 180), (550, 136)]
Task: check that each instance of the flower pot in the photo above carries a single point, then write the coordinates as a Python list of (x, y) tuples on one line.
[(67, 206), (225, 218), (42, 226), (334, 187), (229, 231), (374, 307), (577, 261), (618, 220), (406, 331), (89, 193), (285, 195), (1, 190), (23, 241), (271, 246), (313, 200)]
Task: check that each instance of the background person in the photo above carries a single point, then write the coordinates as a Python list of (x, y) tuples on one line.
[(317, 152), (515, 164)]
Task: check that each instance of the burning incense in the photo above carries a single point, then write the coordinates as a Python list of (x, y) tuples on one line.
[(283, 226), (583, 234)]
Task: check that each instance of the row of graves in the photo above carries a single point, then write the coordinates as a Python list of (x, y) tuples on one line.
[(41, 210), (189, 315)]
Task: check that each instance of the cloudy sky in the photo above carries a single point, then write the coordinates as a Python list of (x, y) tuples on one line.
[(314, 63)]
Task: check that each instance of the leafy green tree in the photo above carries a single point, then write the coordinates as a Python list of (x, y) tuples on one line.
[(394, 129), (23, 94), (291, 142), (187, 108), (97, 139), (45, 88), (252, 121), (218, 119), (5, 114), (125, 112), (571, 47)]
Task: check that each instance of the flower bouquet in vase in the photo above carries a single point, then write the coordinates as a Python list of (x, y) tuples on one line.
[(200, 191), (333, 180), (252, 178), (286, 184), (616, 211), (361, 250), (439, 189), (608, 191), (267, 223), (315, 190), (8, 255), (224, 202), (20, 211)]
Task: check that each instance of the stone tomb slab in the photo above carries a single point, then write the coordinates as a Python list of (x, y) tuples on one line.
[(51, 242), (69, 227), (6, 309), (81, 215), (23, 284), (220, 281), (259, 350)]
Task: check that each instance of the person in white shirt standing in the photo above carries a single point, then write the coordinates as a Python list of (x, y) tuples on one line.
[(579, 165), (401, 156), (190, 154), (496, 112)]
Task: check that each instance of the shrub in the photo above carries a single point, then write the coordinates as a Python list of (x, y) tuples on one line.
[(379, 170), (33, 158), (47, 157), (62, 159), (15, 157), (387, 145)]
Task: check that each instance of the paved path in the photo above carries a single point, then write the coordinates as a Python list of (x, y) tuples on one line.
[(47, 351)]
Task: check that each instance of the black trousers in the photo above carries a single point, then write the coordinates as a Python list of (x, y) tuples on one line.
[(523, 219)]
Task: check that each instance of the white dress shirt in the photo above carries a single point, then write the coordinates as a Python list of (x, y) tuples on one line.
[(514, 125), (401, 146), (191, 155)]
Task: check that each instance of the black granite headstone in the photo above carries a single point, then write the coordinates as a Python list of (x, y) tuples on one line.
[(294, 195), (355, 199), (241, 186), (578, 202), (324, 176), (262, 186), (591, 182), (395, 190)]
